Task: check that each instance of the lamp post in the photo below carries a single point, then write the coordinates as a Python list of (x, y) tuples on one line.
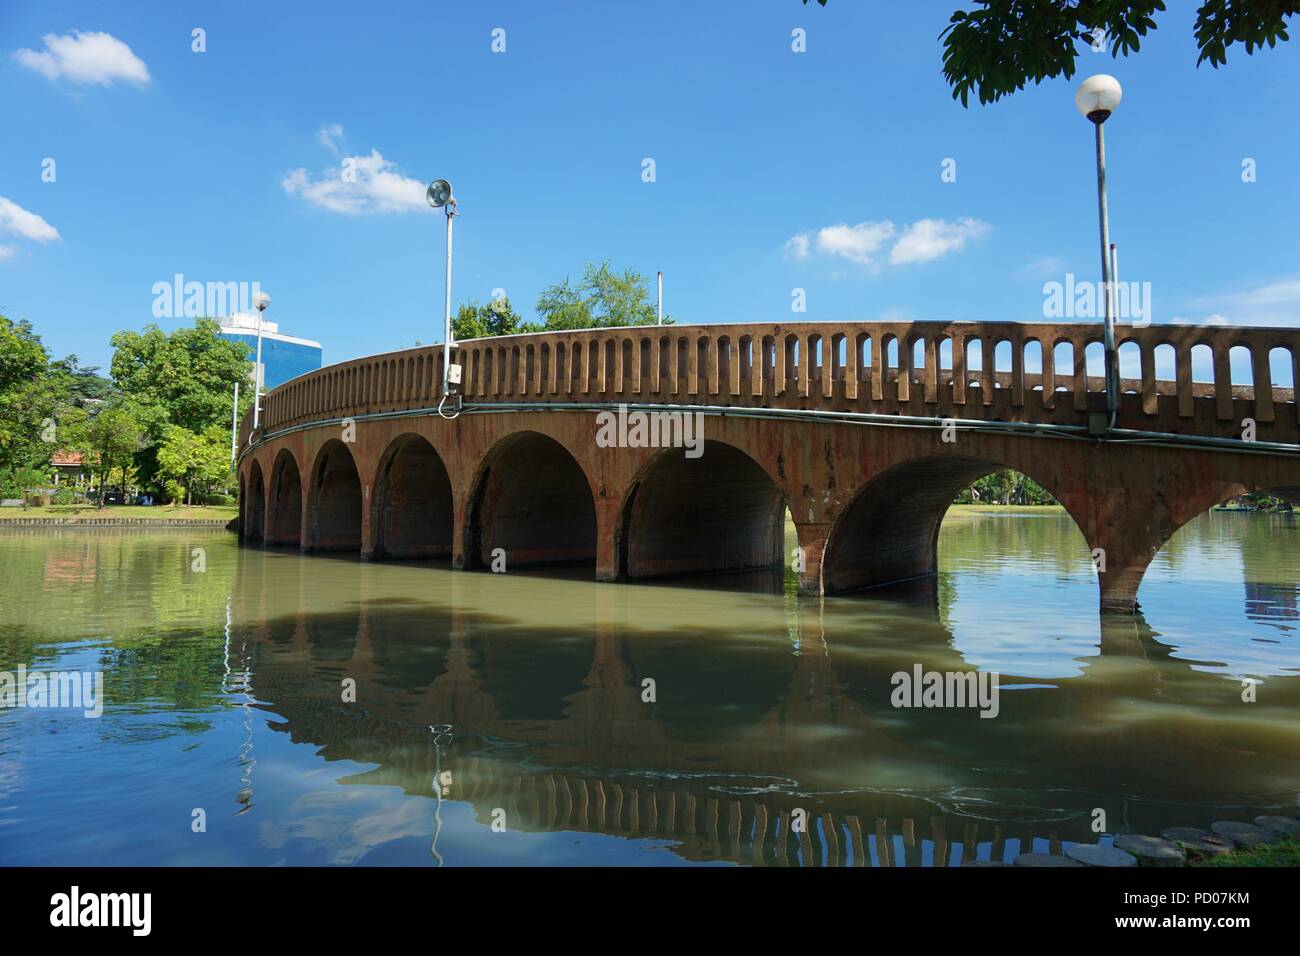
[(234, 427), (1096, 98), (439, 196), (260, 301)]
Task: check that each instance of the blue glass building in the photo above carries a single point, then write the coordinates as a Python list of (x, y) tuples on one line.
[(283, 356)]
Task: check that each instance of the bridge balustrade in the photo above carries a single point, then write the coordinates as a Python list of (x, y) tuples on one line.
[(966, 370)]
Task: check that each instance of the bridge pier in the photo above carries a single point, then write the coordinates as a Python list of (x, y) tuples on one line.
[(609, 539), (1125, 564), (812, 547)]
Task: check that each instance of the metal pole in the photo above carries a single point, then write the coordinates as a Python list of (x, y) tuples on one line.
[(1114, 281), (446, 325), (661, 299), (257, 376), (234, 427), (1112, 363)]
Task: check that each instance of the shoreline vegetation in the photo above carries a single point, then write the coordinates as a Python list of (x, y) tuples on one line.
[(1286, 853), (89, 515)]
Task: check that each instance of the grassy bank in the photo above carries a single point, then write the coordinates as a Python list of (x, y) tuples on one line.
[(1004, 509), (970, 512), (1286, 853), (89, 513)]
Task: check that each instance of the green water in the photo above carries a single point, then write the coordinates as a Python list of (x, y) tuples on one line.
[(525, 698)]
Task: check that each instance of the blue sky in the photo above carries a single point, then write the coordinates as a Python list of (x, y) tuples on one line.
[(171, 161)]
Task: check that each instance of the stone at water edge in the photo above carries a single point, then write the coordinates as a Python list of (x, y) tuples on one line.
[(1282, 826), (1198, 840), (1045, 859), (1245, 834), (1151, 851), (1094, 854)]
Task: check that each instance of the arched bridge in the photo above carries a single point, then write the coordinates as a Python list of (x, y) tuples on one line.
[(865, 431)]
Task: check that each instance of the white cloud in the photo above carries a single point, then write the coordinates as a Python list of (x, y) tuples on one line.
[(8, 252), (331, 137), (921, 241), (360, 184), (1273, 303), (798, 247), (98, 58), (1046, 266), (858, 243), (18, 221), (931, 238), (1281, 292)]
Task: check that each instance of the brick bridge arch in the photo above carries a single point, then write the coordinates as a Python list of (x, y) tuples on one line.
[(866, 445), (533, 500), (284, 501), (889, 531), (333, 516), (412, 504), (252, 503), (713, 514)]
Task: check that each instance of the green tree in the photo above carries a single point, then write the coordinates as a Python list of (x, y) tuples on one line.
[(603, 299), (29, 397), (190, 461), (186, 378), (1005, 487), (83, 386), (995, 49), (498, 317), (109, 440), (21, 481)]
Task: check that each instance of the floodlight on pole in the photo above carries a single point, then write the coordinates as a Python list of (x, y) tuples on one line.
[(439, 196), (1097, 98), (260, 302)]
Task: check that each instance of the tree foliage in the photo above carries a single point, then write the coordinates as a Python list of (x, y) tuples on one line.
[(498, 317), (82, 385), (109, 440), (1005, 487), (996, 48), (186, 378), (189, 462), (29, 396), (602, 299), (161, 382)]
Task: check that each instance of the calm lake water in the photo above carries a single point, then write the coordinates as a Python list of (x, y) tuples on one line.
[(499, 719)]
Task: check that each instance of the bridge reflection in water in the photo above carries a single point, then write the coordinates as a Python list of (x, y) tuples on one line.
[(548, 723)]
